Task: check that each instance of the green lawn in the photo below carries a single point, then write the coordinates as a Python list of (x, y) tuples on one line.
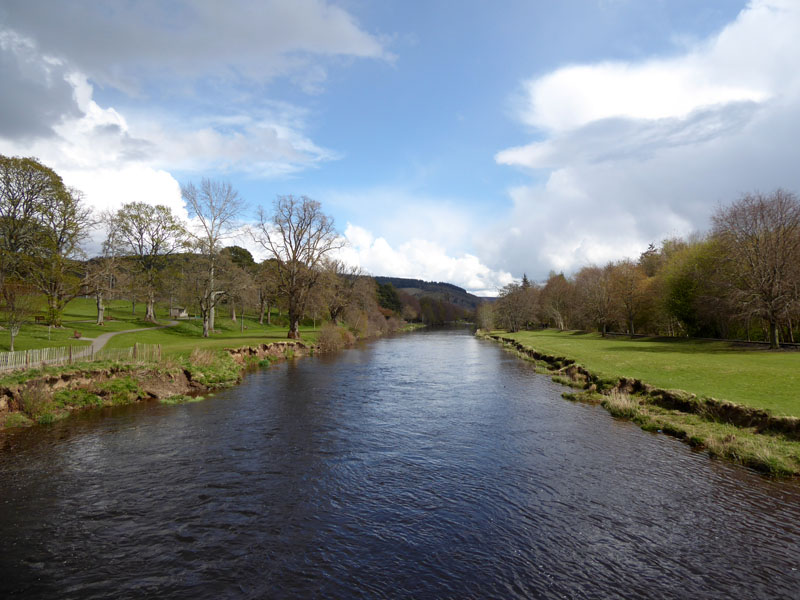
[(80, 314), (759, 378), (187, 336)]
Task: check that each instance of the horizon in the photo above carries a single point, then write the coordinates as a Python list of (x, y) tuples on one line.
[(467, 148)]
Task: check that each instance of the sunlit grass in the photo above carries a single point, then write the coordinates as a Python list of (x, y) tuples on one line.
[(80, 315), (759, 378)]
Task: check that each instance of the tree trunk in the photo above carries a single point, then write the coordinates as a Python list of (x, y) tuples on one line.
[(206, 330), (294, 327), (212, 298), (53, 312), (773, 335), (233, 311), (100, 308), (13, 337), (150, 312), (269, 314)]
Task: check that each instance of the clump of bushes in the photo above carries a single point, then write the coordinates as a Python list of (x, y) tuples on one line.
[(332, 337), (37, 403)]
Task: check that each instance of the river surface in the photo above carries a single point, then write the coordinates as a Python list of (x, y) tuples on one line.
[(431, 465)]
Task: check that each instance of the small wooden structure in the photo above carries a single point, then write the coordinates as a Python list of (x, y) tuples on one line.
[(178, 313)]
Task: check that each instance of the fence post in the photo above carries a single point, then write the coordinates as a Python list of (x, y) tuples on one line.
[(135, 350), (159, 353), (27, 359), (70, 355)]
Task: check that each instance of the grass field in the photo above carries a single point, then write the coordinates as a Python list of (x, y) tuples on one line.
[(187, 335), (759, 378), (80, 315)]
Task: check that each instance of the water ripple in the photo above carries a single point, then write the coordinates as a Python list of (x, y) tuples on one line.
[(426, 466)]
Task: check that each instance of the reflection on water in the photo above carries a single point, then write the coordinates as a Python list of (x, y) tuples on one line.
[(429, 465)]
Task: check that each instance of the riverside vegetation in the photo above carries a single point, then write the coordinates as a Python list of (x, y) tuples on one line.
[(756, 424), (192, 368)]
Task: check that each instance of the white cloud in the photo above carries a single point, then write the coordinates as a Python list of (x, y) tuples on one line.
[(53, 55), (420, 259), (636, 152), (127, 44)]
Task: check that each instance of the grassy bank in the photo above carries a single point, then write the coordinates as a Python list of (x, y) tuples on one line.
[(80, 314), (656, 373), (759, 378), (49, 394)]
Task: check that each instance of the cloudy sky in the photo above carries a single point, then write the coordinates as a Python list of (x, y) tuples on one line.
[(468, 142)]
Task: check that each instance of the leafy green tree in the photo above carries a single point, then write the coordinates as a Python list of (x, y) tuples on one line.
[(388, 297), (55, 270), (149, 235)]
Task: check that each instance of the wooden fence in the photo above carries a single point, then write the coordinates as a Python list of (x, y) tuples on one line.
[(40, 357)]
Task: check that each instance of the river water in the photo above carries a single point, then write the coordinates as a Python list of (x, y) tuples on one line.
[(430, 465)]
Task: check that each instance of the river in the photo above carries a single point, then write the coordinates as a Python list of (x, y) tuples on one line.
[(429, 465)]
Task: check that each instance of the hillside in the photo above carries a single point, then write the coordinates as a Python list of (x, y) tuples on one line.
[(434, 289)]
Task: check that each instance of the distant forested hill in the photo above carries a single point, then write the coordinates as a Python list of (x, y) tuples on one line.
[(434, 289)]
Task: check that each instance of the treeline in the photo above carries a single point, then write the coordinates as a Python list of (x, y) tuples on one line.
[(740, 280), (150, 255)]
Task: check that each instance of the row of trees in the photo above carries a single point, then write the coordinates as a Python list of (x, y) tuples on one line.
[(149, 254), (740, 280)]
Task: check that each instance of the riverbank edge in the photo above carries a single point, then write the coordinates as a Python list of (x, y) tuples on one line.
[(89, 385), (748, 436), (56, 393)]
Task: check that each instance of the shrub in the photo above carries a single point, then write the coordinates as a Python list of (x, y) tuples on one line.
[(36, 400), (329, 338)]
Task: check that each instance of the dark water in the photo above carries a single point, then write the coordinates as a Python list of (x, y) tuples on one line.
[(427, 466)]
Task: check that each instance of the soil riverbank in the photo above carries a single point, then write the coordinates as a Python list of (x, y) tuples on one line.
[(749, 436), (47, 395)]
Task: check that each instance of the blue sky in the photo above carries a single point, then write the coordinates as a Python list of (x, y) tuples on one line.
[(460, 141)]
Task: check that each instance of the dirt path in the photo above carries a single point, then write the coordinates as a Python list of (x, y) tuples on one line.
[(102, 339)]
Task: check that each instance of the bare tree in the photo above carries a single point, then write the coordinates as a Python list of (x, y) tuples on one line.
[(628, 290), (299, 236), (215, 205), (149, 234), (594, 290), (102, 271), (558, 298), (339, 282), (761, 236), (516, 305), (266, 281)]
